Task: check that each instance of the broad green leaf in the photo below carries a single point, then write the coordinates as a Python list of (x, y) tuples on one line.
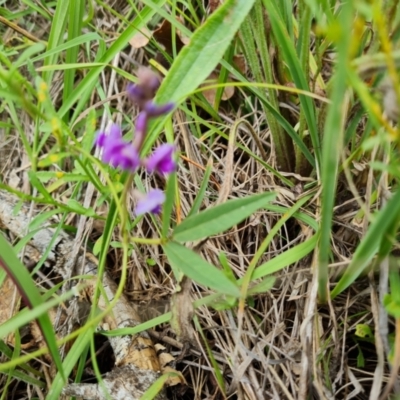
[(199, 58), (199, 270), (220, 218), (392, 307), (262, 287)]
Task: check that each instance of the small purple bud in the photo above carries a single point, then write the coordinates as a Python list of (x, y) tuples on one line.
[(151, 202), (136, 93), (162, 160), (149, 79), (154, 110), (145, 89)]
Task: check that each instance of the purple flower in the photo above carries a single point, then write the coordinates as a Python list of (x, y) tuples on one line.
[(116, 151), (162, 160), (151, 202)]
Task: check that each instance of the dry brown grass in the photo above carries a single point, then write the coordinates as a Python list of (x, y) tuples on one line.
[(287, 345)]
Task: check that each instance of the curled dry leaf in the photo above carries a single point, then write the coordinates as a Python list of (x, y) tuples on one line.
[(210, 94), (213, 5), (163, 36), (141, 38), (166, 363), (239, 62), (9, 297)]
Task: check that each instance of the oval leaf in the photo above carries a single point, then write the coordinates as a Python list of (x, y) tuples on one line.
[(199, 270), (198, 59), (220, 218)]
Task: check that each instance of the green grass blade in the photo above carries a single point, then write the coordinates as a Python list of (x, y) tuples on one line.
[(370, 245), (27, 289), (200, 194), (85, 87), (56, 36), (332, 147), (79, 346), (86, 38), (75, 24), (290, 56), (168, 205)]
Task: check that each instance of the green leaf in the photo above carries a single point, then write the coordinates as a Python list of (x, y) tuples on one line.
[(262, 287), (199, 58), (199, 270), (331, 152), (79, 209), (285, 259), (364, 330), (220, 218), (38, 185), (392, 307), (86, 38), (56, 35)]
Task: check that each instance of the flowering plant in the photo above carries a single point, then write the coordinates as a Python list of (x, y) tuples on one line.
[(120, 153)]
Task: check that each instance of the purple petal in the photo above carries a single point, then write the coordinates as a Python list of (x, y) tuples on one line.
[(161, 160), (152, 202), (116, 151), (100, 139), (124, 156), (112, 149), (154, 110), (129, 158)]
